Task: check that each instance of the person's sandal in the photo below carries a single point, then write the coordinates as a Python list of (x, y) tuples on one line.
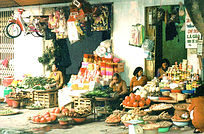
[(196, 131)]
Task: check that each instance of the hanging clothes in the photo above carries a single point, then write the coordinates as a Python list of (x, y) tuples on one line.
[(137, 35), (171, 31)]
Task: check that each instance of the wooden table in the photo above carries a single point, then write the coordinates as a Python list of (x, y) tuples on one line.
[(100, 99)]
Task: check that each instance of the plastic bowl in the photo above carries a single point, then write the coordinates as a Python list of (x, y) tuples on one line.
[(126, 124), (165, 98), (79, 120), (165, 89), (153, 97), (163, 130), (187, 91), (180, 124), (175, 91), (63, 122)]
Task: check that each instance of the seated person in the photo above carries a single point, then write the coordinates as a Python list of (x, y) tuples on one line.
[(139, 79), (119, 86), (57, 76), (162, 70)]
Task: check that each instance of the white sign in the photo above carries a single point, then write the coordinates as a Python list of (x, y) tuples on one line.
[(192, 34)]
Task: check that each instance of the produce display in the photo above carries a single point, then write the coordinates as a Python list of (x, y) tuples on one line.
[(113, 118), (164, 116), (135, 114), (161, 106), (45, 118), (8, 111), (181, 106), (150, 118), (37, 83), (35, 106), (164, 124), (150, 126), (71, 112), (136, 101), (83, 110), (98, 92), (181, 118)]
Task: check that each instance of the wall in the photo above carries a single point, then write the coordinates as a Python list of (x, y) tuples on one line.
[(125, 14), (27, 49)]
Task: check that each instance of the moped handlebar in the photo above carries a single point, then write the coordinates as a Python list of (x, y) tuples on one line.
[(20, 10)]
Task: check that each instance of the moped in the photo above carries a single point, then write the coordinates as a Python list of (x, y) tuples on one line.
[(17, 25)]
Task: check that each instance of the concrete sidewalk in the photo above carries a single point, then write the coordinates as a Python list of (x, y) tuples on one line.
[(14, 124)]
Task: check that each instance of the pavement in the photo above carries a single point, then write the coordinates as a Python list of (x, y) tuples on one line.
[(21, 124)]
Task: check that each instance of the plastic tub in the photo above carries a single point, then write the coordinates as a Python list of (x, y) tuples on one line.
[(165, 89), (163, 130), (187, 91), (79, 120), (180, 124), (176, 91)]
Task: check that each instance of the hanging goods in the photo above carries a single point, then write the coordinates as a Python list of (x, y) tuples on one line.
[(137, 35), (73, 32)]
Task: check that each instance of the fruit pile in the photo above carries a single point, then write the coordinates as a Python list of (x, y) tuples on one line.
[(135, 101), (68, 112), (113, 118), (45, 118)]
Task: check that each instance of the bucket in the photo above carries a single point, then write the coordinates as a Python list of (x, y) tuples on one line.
[(15, 104), (8, 101)]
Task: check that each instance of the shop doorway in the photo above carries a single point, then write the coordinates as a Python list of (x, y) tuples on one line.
[(165, 26)]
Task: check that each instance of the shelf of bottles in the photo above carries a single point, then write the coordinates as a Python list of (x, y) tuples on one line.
[(183, 72)]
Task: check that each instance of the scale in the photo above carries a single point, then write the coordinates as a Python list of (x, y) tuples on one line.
[(134, 128)]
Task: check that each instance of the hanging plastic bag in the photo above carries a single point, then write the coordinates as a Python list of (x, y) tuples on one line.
[(148, 45), (137, 35), (53, 21), (72, 32)]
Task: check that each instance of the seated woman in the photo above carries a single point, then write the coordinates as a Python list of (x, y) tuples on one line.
[(162, 70), (57, 76), (139, 79), (119, 86)]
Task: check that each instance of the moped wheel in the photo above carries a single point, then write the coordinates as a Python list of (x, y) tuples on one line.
[(5, 34), (13, 30), (40, 31)]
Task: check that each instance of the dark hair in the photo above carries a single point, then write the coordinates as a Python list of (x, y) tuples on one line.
[(165, 61), (116, 75), (137, 70)]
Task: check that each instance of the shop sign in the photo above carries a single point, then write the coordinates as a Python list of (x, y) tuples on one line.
[(192, 34)]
